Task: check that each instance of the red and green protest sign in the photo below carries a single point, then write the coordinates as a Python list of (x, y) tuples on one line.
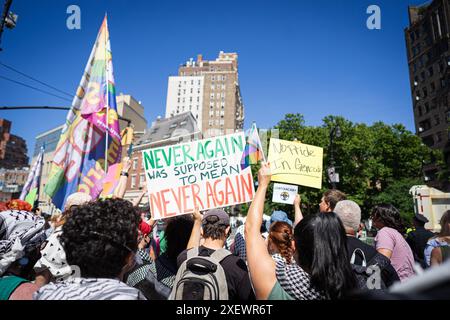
[(206, 174)]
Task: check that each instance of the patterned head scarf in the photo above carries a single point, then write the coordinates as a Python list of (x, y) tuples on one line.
[(20, 232)]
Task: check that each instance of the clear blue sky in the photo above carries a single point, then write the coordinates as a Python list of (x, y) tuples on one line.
[(314, 57)]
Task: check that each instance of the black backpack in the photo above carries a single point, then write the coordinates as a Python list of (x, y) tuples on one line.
[(201, 278), (368, 275)]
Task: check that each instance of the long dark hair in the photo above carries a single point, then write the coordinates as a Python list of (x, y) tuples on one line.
[(389, 216), (322, 252)]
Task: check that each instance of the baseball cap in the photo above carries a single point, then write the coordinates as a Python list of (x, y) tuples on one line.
[(220, 215), (277, 216), (420, 218)]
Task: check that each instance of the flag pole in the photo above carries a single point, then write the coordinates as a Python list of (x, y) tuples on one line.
[(107, 93), (40, 176)]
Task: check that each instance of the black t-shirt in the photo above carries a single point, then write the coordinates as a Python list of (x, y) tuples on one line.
[(417, 240), (388, 273), (236, 273), (353, 244)]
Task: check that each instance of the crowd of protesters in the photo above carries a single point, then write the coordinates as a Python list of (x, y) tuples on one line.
[(112, 249)]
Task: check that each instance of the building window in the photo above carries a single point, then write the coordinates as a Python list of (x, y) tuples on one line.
[(135, 164), (133, 181), (437, 120), (141, 180), (430, 71), (432, 87)]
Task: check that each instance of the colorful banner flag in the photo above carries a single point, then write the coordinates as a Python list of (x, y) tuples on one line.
[(30, 189), (253, 149), (91, 132)]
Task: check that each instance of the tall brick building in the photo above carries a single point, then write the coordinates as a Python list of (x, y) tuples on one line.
[(13, 149), (210, 90), (427, 40)]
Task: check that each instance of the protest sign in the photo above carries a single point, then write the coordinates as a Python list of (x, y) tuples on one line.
[(284, 193), (296, 163), (206, 174)]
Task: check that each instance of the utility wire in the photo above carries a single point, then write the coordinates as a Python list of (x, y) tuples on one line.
[(34, 88), (34, 79)]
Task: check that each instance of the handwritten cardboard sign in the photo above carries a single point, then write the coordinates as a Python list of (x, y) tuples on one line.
[(204, 173), (296, 163)]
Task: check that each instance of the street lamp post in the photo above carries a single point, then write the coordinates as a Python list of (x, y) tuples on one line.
[(333, 176)]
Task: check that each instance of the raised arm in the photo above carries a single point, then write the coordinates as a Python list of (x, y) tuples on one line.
[(138, 199), (260, 263), (297, 210), (122, 185), (196, 234)]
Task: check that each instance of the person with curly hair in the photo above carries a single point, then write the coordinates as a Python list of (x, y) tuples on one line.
[(100, 241), (280, 241), (389, 240)]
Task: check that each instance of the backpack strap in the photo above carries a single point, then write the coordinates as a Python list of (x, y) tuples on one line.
[(219, 255), (353, 258), (192, 253)]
